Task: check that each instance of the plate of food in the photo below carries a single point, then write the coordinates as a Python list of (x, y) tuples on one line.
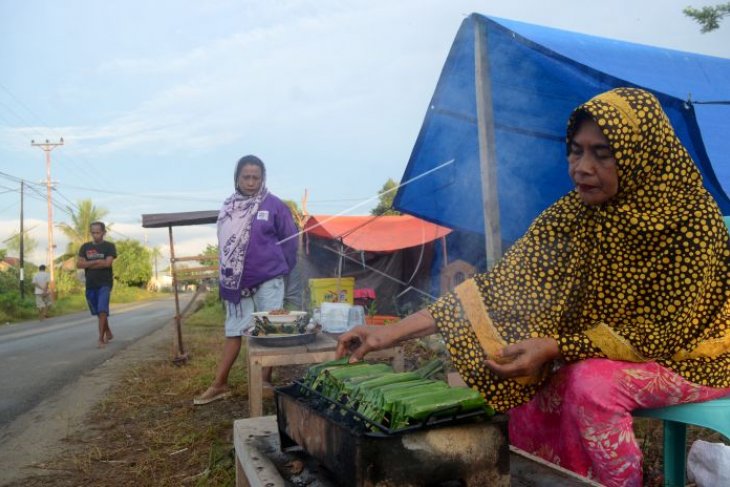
[(280, 316), (279, 322), (285, 340)]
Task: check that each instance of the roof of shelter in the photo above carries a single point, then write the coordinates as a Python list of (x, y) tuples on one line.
[(375, 233), (157, 220)]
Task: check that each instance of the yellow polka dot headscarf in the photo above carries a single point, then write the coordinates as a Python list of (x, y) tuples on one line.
[(642, 277)]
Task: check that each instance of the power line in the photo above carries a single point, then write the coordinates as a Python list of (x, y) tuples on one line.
[(18, 179), (83, 174), (72, 205), (144, 195), (8, 207), (8, 188), (38, 195), (120, 234)]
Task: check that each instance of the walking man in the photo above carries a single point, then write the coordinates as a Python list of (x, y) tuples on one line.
[(96, 258), (42, 293)]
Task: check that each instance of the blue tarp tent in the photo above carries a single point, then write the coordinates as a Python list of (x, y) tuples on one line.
[(526, 79)]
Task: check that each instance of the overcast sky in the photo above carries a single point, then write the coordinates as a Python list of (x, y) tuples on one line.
[(157, 100)]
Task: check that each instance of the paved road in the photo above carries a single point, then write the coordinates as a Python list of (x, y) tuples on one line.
[(38, 358)]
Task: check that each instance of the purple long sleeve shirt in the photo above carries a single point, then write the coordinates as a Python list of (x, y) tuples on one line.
[(266, 258)]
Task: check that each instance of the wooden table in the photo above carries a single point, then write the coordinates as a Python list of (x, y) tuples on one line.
[(320, 350), (258, 455)]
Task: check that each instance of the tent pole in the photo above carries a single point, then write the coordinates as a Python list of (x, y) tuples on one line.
[(339, 270), (487, 152), (444, 251)]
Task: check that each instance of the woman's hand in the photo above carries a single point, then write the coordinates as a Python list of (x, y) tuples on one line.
[(525, 358), (364, 339)]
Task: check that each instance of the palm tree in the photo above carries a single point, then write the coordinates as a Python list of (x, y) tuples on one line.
[(78, 232)]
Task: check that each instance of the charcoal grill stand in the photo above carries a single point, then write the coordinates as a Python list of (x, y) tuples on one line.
[(322, 349), (258, 460)]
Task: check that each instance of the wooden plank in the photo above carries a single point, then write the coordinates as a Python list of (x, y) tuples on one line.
[(192, 270), (193, 258), (253, 469), (529, 470)]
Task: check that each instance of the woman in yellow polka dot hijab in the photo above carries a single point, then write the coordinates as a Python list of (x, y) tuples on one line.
[(616, 298)]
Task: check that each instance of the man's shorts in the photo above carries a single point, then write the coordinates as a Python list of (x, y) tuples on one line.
[(42, 300), (239, 318), (98, 300)]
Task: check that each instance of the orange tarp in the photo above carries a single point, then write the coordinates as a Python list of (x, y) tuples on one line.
[(375, 233)]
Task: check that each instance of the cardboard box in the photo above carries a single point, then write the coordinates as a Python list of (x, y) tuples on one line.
[(331, 290)]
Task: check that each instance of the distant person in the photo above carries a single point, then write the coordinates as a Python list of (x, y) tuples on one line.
[(257, 248), (96, 258), (42, 293)]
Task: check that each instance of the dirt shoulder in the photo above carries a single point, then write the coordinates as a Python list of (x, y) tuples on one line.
[(38, 436)]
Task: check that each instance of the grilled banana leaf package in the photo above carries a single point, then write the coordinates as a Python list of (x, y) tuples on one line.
[(389, 399)]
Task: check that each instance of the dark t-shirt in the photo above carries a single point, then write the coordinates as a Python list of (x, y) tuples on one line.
[(96, 278)]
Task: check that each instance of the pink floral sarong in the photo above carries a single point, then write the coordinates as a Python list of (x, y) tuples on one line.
[(581, 418)]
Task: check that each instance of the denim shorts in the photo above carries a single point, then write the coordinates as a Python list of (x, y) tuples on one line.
[(239, 318), (98, 300)]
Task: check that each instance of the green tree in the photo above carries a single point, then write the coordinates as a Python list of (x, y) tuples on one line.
[(387, 194), (708, 17), (78, 231), (210, 251), (133, 265), (29, 243)]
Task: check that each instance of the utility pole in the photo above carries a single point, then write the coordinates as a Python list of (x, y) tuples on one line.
[(47, 147), (22, 261)]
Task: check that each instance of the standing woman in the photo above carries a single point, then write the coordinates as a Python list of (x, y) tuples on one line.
[(257, 248)]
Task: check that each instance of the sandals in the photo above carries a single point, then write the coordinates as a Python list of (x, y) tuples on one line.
[(199, 401)]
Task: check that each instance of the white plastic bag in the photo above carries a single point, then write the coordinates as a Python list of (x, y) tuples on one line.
[(708, 464)]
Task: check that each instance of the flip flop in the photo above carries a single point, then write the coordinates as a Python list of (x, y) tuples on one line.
[(199, 401)]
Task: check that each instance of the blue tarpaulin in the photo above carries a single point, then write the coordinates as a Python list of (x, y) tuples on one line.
[(536, 77)]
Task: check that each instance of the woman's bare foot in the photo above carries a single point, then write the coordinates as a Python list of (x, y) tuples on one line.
[(108, 337), (101, 344)]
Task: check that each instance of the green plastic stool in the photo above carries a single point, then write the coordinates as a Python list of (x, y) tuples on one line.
[(711, 414)]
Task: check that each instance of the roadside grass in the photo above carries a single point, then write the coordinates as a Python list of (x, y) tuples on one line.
[(148, 433), (13, 309), (76, 302)]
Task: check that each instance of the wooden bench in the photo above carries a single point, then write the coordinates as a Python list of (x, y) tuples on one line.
[(320, 350)]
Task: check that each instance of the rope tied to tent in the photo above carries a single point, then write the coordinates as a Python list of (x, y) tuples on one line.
[(690, 101)]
